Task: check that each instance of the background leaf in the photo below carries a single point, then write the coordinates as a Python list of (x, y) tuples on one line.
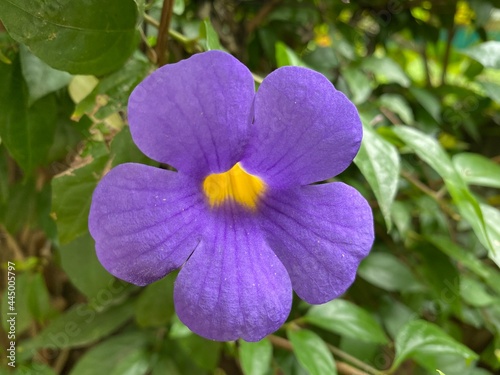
[(255, 357), (80, 37), (423, 341), (378, 160), (311, 352), (345, 318)]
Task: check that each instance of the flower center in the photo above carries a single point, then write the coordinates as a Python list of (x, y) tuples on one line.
[(236, 184)]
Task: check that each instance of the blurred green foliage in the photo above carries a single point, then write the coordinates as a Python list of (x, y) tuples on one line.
[(425, 76)]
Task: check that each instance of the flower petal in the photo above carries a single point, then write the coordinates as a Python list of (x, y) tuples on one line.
[(320, 233), (194, 114), (233, 286), (146, 221), (305, 130)]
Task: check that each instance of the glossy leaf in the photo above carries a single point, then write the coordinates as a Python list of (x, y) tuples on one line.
[(476, 169), (346, 319), (424, 341), (429, 150), (255, 357), (386, 70), (378, 160), (388, 272), (80, 37), (285, 56), (210, 35), (312, 352), (487, 53)]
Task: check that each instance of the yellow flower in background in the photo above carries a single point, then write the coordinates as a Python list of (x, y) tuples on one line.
[(321, 36), (463, 14)]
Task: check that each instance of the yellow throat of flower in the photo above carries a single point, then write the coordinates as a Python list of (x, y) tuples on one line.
[(236, 184)]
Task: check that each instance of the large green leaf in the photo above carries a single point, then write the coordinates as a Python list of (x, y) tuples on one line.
[(378, 160), (346, 319), (83, 325), (487, 53), (477, 170), (426, 342), (255, 357), (91, 279), (430, 151), (27, 131), (312, 352), (72, 194), (386, 70), (286, 56), (388, 272), (111, 93), (123, 354), (81, 37), (41, 78), (155, 305)]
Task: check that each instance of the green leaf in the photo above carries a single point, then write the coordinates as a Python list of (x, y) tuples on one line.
[(378, 160), (398, 105), (476, 169), (72, 194), (111, 94), (312, 352), (388, 272), (386, 70), (466, 258), (208, 33), (83, 325), (346, 319), (155, 305), (124, 150), (487, 53), (430, 151), (91, 279), (492, 90), (492, 219), (39, 298), (80, 37), (425, 342), (359, 84), (179, 7), (120, 355), (40, 78), (24, 316), (26, 131), (204, 353), (427, 100), (286, 56), (255, 357), (474, 293)]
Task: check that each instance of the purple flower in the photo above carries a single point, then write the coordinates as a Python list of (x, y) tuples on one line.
[(240, 216)]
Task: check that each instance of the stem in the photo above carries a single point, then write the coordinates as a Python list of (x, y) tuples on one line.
[(163, 32), (446, 58)]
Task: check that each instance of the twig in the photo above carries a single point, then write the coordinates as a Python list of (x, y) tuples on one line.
[(261, 15), (446, 58), (356, 362), (342, 367), (437, 196), (163, 32)]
